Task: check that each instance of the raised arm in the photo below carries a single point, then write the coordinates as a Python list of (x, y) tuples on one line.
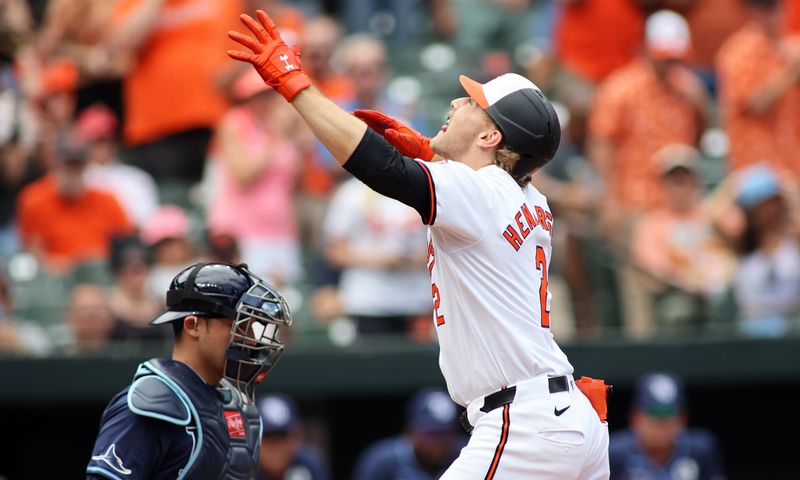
[(361, 151), (280, 68), (339, 131)]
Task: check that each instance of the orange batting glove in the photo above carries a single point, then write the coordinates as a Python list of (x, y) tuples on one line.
[(406, 140), (277, 64)]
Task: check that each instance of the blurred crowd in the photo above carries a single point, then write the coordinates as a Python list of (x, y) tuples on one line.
[(131, 146)]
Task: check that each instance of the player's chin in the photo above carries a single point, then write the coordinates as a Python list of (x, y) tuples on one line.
[(437, 142)]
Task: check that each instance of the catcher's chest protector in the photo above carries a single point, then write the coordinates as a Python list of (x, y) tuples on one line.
[(227, 429)]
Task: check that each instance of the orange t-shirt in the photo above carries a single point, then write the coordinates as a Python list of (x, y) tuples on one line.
[(710, 23), (595, 37), (683, 248), (746, 62), (636, 113), (68, 231), (792, 14), (172, 86)]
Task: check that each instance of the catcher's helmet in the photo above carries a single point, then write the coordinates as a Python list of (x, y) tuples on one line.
[(523, 114), (231, 291)]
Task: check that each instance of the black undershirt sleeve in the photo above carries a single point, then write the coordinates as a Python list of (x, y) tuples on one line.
[(382, 168)]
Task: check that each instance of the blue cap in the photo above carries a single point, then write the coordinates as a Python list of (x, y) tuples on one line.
[(278, 414), (432, 411), (757, 183), (660, 395)]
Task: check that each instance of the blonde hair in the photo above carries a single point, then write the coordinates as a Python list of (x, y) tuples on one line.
[(506, 159)]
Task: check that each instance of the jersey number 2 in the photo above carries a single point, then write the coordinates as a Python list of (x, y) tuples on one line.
[(437, 299), (541, 265)]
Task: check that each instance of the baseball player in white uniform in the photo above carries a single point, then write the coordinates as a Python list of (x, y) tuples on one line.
[(488, 255)]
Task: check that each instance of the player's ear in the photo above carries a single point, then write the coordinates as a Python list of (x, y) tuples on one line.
[(490, 138), (190, 326)]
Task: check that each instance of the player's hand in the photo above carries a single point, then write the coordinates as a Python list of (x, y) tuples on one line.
[(277, 64), (405, 139)]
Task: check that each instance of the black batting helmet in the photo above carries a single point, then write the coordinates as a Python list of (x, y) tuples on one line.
[(523, 114), (232, 291)]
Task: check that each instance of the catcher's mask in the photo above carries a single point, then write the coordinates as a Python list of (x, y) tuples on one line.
[(257, 309)]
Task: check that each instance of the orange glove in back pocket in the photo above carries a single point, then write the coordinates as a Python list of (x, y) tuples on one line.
[(597, 392)]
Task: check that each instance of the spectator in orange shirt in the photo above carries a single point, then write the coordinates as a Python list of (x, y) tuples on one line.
[(792, 16), (759, 76), (676, 246), (591, 39), (171, 95), (595, 37), (652, 102), (63, 221)]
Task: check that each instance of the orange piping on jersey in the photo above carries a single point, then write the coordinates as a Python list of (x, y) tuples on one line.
[(432, 217), (500, 446)]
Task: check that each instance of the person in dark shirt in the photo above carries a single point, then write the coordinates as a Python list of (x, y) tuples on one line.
[(659, 445), (193, 416), (285, 455), (432, 441)]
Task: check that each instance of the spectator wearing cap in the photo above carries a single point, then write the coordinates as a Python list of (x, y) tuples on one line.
[(54, 103), (131, 301), (767, 284), (653, 101), (168, 236), (759, 80), (131, 186), (254, 168), (676, 247), (659, 444), (62, 220), (432, 440), (285, 455)]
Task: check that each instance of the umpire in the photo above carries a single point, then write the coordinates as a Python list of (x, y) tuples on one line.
[(192, 416)]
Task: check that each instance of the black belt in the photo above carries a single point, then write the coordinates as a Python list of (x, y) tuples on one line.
[(506, 396)]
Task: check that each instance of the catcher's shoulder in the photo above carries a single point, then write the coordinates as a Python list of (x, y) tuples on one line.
[(151, 396)]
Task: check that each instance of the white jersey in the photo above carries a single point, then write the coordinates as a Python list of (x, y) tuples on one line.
[(489, 246)]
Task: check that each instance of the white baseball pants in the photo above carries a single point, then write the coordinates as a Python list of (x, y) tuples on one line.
[(525, 439)]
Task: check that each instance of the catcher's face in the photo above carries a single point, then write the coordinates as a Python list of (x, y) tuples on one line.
[(213, 338)]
